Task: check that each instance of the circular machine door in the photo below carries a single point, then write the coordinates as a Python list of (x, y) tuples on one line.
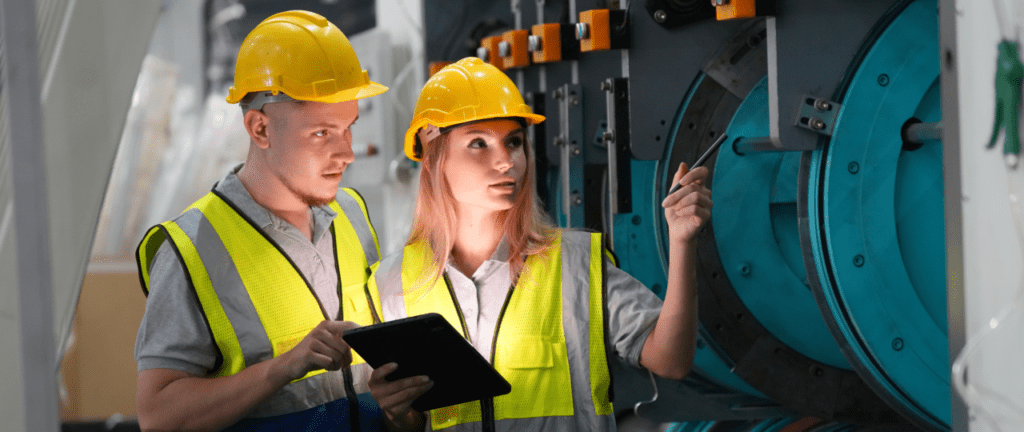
[(874, 230), (767, 327)]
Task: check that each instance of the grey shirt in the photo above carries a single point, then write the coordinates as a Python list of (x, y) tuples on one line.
[(632, 308), (174, 334)]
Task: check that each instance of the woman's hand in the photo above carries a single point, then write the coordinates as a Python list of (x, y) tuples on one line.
[(396, 397), (688, 208)]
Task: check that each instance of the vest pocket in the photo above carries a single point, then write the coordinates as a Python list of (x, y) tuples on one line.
[(286, 343), (538, 369), (355, 308)]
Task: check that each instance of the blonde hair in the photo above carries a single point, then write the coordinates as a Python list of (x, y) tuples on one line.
[(526, 226)]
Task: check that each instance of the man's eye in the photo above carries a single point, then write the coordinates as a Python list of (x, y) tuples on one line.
[(321, 133), (477, 143)]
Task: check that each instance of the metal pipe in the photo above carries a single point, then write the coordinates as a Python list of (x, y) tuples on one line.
[(744, 145), (918, 133)]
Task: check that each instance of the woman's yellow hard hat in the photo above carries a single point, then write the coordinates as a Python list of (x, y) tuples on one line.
[(465, 91), (303, 55)]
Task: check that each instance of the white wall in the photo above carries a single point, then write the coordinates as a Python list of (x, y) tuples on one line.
[(992, 252), (389, 194)]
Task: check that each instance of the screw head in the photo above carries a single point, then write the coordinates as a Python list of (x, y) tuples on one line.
[(576, 199), (608, 137), (745, 269), (897, 344), (582, 31), (660, 16), (558, 141), (817, 371), (575, 101), (557, 94), (576, 150), (883, 80), (822, 105), (637, 220), (858, 260), (535, 43), (853, 167), (817, 123), (606, 86)]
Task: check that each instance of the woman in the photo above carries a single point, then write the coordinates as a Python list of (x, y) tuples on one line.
[(544, 305)]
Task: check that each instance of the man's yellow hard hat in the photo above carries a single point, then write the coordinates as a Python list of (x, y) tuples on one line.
[(304, 56), (465, 91)]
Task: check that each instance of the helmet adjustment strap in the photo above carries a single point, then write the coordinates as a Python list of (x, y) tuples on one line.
[(428, 133), (256, 100)]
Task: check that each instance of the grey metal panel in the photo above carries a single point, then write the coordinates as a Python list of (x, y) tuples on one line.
[(90, 60), (815, 47), (32, 226), (662, 65), (952, 198)]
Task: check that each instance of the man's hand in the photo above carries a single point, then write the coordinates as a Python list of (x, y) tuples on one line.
[(396, 397), (322, 348)]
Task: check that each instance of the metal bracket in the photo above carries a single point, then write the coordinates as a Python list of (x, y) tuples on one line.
[(818, 115), (570, 138), (616, 141)]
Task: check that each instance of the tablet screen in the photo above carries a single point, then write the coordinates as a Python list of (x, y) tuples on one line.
[(428, 345)]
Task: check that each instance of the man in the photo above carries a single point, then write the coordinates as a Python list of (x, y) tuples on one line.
[(248, 289)]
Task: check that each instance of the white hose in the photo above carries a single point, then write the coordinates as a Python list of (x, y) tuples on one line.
[(654, 384)]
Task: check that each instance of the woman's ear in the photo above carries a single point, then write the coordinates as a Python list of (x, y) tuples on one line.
[(256, 125)]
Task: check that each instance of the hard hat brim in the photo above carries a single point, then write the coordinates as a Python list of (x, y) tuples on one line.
[(355, 93), (410, 134)]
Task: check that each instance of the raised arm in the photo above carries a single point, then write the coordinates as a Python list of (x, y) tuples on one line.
[(670, 346)]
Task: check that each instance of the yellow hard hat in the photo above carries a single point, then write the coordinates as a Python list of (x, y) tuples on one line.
[(304, 56), (465, 91)]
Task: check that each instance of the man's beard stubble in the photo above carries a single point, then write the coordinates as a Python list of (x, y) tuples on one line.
[(309, 199)]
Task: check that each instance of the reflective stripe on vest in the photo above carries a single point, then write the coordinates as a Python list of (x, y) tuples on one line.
[(352, 234), (549, 341), (257, 303)]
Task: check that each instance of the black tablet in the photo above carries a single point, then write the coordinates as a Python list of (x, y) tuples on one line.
[(428, 345)]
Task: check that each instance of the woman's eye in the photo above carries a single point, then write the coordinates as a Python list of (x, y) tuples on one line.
[(514, 142), (477, 143)]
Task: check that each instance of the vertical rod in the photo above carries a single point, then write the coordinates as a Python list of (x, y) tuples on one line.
[(563, 133), (952, 200), (31, 215), (574, 65), (613, 162)]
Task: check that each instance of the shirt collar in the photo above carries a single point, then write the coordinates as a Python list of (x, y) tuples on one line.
[(232, 188), (501, 252)]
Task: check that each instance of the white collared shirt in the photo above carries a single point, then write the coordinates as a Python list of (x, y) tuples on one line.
[(482, 296)]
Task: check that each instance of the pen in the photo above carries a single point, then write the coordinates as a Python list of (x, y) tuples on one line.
[(703, 158)]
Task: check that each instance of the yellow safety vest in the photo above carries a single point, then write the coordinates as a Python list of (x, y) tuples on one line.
[(230, 261), (549, 342)]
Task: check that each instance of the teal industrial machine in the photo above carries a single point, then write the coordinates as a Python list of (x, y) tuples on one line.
[(821, 273)]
